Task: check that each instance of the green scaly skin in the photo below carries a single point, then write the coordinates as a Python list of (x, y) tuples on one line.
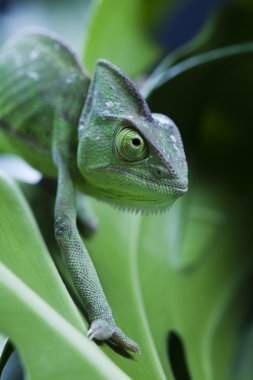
[(97, 136)]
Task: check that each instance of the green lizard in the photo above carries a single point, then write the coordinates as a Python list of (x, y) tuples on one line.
[(97, 136)]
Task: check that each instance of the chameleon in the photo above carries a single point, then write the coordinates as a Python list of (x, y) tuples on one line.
[(93, 135)]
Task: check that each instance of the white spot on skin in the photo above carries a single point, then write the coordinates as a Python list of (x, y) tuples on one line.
[(34, 55), (106, 113), (162, 120), (109, 104), (33, 75), (176, 148), (81, 126), (173, 138), (68, 80), (71, 76)]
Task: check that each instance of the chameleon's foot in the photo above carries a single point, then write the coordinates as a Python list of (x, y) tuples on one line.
[(121, 340), (100, 330)]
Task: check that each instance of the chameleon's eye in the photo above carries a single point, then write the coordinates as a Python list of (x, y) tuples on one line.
[(130, 145)]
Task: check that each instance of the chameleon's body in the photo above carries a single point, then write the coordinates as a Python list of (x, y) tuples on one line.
[(95, 135), (27, 108)]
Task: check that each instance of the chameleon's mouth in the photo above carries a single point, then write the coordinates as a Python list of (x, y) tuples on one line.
[(180, 191), (129, 190), (147, 203), (166, 186)]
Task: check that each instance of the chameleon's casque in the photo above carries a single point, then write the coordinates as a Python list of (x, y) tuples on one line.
[(96, 135)]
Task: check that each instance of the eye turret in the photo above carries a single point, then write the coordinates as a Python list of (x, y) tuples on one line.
[(130, 145)]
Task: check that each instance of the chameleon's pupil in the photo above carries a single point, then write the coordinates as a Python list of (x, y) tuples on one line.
[(136, 142), (130, 145)]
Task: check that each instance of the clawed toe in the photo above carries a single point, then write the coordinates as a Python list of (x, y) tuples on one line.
[(103, 330), (124, 342), (90, 333)]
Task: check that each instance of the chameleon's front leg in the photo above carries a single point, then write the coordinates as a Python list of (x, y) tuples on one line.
[(80, 265)]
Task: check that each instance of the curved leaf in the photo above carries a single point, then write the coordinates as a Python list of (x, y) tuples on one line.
[(23, 251), (34, 288), (41, 330), (113, 251), (118, 32)]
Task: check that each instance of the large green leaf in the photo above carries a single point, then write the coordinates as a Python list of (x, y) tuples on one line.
[(159, 276), (115, 260), (43, 336), (118, 31), (114, 251), (23, 251), (36, 310)]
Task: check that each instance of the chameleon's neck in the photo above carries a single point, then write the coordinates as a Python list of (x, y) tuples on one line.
[(82, 184)]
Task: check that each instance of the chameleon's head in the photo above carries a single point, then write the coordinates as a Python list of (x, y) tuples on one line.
[(127, 155)]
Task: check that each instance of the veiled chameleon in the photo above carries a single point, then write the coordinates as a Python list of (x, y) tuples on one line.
[(95, 135)]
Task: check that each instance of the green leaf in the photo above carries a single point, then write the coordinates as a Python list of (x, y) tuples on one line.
[(166, 273), (116, 262), (47, 327), (23, 251), (118, 32), (43, 336)]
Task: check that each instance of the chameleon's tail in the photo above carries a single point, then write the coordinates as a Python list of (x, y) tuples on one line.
[(123, 341)]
